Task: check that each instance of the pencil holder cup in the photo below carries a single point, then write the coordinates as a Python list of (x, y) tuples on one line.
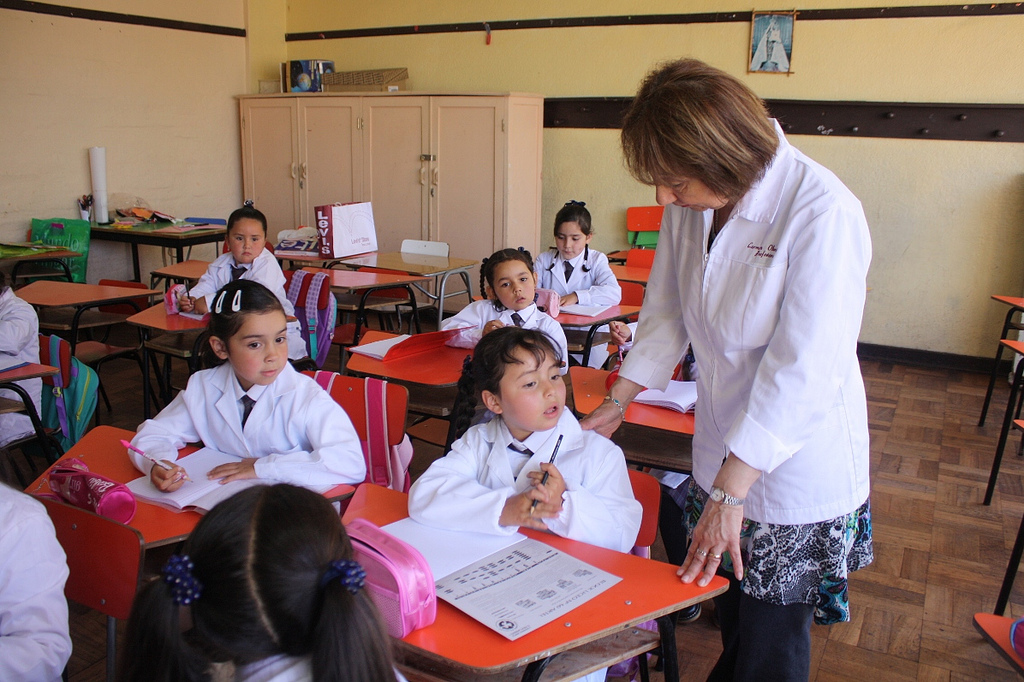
[(171, 298)]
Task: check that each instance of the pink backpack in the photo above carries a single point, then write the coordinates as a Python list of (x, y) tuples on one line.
[(386, 466), (398, 578)]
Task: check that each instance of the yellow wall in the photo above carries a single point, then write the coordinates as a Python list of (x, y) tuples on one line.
[(946, 217), (161, 101)]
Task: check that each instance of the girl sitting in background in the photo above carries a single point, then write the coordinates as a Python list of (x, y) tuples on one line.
[(571, 268), (510, 285), (266, 585), (19, 343), (254, 405)]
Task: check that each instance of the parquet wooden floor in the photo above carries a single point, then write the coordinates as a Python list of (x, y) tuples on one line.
[(939, 553)]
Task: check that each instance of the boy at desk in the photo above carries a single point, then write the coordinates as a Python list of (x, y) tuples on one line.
[(247, 258)]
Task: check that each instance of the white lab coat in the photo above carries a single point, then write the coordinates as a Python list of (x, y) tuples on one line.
[(467, 488), (34, 640), (296, 430), (265, 270), (773, 313), (478, 313), (597, 286), (19, 343)]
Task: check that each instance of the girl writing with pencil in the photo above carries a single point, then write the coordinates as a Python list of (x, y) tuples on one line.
[(254, 405), (508, 280), (574, 271), (247, 258)]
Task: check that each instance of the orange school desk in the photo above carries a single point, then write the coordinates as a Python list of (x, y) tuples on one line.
[(996, 631), (650, 435), (631, 273), (33, 255), (8, 379), (150, 234), (186, 271), (576, 323), (156, 319), (456, 647)]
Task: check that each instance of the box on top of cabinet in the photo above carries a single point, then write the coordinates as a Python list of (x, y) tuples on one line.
[(373, 80), (305, 75)]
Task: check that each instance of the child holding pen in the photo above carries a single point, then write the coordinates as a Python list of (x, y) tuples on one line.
[(254, 405), (247, 258)]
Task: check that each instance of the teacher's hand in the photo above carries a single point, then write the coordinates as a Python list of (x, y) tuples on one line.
[(607, 417), (717, 532)]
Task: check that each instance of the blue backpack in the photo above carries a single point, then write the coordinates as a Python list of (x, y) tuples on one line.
[(317, 310), (70, 402)]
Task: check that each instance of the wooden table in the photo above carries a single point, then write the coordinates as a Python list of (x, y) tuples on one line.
[(456, 647), (576, 323), (438, 267), (649, 435), (186, 271), (35, 254), (430, 377), (8, 377), (155, 318), (49, 295), (147, 233), (354, 290), (627, 273)]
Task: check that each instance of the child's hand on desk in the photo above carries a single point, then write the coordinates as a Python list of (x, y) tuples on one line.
[(186, 304), (517, 510), (167, 480), (236, 471), (491, 326), (620, 332), (569, 299)]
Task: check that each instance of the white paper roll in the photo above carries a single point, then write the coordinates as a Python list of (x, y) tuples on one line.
[(98, 169)]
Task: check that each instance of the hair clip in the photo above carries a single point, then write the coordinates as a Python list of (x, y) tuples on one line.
[(485, 260), (573, 202), (352, 575), (522, 248), (218, 305), (177, 572), (236, 302), (248, 203)]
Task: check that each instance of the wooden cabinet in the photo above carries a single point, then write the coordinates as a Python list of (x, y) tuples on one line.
[(462, 169)]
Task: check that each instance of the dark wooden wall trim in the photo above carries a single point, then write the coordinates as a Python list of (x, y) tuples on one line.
[(927, 358), (986, 10), (119, 18), (910, 120)]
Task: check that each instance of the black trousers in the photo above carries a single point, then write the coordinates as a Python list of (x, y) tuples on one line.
[(762, 642)]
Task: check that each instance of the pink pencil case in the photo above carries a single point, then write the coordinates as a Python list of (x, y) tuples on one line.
[(171, 298), (397, 576), (548, 300), (72, 482)]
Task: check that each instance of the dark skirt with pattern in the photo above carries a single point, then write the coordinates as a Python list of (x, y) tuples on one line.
[(798, 564)]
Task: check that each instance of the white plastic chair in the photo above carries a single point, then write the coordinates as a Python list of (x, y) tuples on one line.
[(425, 248)]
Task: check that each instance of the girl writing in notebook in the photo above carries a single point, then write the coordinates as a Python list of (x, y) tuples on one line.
[(265, 589), (254, 405), (247, 258), (510, 285), (574, 271)]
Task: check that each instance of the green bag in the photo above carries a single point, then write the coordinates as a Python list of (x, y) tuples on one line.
[(69, 233)]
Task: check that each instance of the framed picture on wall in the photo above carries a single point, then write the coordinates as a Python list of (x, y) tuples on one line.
[(771, 41)]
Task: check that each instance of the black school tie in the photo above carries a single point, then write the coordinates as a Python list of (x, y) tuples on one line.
[(247, 404), (521, 449), (517, 319), (568, 269), (237, 271)]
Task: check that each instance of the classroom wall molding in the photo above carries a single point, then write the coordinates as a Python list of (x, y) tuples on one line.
[(853, 13), (927, 358), (907, 120), (119, 17)]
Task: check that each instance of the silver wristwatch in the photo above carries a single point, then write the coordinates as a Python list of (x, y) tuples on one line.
[(719, 495)]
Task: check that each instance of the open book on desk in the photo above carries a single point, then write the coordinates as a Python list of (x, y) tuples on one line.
[(583, 310), (404, 345), (680, 396), (510, 583), (200, 494)]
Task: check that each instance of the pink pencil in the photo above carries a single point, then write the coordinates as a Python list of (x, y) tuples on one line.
[(163, 464)]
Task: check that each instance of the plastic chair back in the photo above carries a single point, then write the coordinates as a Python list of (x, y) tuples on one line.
[(62, 362), (640, 258), (104, 558), (640, 219), (632, 293), (425, 248), (124, 308), (350, 394), (647, 492), (322, 301)]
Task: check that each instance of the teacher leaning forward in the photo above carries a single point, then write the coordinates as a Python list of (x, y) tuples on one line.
[(761, 266)]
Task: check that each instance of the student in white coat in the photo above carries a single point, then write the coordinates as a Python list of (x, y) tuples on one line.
[(254, 405), (508, 280), (34, 641), (270, 590), (577, 273), (19, 343), (247, 258)]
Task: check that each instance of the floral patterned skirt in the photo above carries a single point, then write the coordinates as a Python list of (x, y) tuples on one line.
[(798, 564)]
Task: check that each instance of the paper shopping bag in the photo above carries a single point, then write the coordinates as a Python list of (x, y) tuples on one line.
[(345, 229)]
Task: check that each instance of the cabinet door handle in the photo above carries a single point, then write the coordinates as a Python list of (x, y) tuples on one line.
[(294, 172), (423, 176), (436, 177), (303, 167)]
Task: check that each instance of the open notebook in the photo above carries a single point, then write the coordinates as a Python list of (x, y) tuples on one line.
[(680, 396), (199, 494)]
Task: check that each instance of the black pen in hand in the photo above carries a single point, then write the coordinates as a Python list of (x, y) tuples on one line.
[(544, 478)]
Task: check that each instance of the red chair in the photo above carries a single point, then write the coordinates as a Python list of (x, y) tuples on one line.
[(640, 258), (640, 219), (647, 492), (632, 293)]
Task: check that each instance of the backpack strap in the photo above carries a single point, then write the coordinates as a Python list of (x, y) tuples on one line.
[(325, 379), (312, 301), (378, 469)]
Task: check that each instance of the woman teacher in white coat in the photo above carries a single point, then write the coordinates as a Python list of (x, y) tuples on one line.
[(761, 266)]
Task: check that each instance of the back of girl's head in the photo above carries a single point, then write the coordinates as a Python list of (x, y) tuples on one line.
[(231, 304), (574, 212), (491, 357), (248, 211), (260, 559), (489, 265)]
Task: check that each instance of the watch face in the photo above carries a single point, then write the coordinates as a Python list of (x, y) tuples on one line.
[(717, 494)]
